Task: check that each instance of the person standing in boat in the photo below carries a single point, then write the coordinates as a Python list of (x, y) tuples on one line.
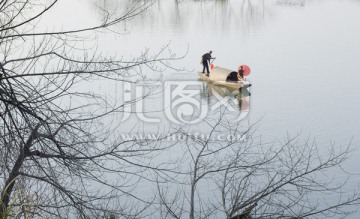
[(205, 59)]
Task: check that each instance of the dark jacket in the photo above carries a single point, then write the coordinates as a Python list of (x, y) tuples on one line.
[(206, 57)]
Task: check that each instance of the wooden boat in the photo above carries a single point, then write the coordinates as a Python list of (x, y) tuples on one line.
[(218, 77), (203, 77)]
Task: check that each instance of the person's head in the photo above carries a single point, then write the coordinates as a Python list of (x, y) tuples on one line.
[(210, 52)]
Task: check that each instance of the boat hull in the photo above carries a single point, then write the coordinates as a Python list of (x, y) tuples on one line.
[(231, 85)]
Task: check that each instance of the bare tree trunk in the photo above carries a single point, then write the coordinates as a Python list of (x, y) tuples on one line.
[(10, 182)]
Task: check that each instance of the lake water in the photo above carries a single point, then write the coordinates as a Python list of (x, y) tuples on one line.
[(304, 56)]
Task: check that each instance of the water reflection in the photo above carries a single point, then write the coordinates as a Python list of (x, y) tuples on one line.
[(212, 16), (291, 3), (238, 99), (197, 16)]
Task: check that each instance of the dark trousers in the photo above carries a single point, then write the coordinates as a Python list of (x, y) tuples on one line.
[(206, 65)]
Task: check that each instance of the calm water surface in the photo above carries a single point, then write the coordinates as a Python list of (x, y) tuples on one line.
[(304, 56)]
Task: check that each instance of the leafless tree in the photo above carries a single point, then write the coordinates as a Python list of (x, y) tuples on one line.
[(239, 177), (61, 156), (59, 150), (289, 180)]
